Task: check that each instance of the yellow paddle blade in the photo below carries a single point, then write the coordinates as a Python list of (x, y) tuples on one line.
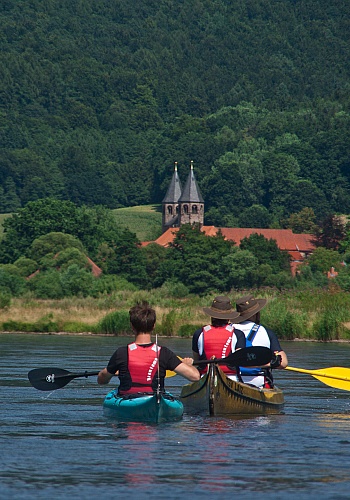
[(335, 376)]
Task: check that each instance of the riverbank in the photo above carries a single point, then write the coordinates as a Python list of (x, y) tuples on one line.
[(91, 334), (316, 315)]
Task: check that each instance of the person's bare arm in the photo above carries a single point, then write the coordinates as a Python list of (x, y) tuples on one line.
[(188, 371), (104, 377)]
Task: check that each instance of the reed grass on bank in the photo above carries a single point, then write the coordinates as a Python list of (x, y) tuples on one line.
[(308, 315)]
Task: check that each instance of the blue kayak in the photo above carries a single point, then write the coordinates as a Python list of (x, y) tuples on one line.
[(143, 407)]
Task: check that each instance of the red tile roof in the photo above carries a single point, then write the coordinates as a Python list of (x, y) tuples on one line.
[(285, 238), (297, 245)]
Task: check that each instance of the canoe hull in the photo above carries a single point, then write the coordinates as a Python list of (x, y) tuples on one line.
[(217, 395), (143, 408)]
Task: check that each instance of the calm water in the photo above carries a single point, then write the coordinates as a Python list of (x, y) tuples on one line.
[(59, 445)]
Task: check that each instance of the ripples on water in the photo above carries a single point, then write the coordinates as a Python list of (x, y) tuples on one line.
[(59, 445)]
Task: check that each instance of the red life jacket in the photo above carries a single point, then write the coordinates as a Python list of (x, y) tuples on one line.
[(143, 367), (217, 342)]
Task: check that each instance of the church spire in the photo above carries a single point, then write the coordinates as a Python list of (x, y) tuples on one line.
[(174, 190), (191, 192), (191, 202), (170, 202)]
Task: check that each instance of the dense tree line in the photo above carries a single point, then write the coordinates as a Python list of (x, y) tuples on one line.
[(48, 245), (98, 99)]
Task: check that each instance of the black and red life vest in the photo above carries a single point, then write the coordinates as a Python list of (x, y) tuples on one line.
[(142, 366)]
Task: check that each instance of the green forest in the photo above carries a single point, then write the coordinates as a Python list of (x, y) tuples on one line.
[(99, 98)]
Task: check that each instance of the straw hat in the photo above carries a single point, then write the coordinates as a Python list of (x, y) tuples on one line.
[(221, 308), (248, 306)]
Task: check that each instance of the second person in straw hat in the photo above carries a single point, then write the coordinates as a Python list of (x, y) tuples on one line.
[(257, 335)]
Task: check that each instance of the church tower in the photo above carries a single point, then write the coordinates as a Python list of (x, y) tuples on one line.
[(170, 203), (191, 202)]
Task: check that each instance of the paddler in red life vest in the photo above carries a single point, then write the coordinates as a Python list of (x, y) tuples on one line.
[(256, 335), (220, 338), (136, 364)]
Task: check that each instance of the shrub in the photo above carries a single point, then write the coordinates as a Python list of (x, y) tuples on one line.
[(286, 324), (115, 323), (78, 327), (46, 285), (45, 324), (109, 283), (167, 326), (15, 326), (174, 288), (26, 266), (10, 280), (5, 300), (326, 326), (187, 330), (76, 281)]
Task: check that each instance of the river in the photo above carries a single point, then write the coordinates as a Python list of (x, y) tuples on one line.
[(59, 445)]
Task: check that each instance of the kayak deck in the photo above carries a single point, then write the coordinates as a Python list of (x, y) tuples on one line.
[(143, 407)]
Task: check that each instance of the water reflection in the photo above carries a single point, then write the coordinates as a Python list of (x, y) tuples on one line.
[(334, 422)]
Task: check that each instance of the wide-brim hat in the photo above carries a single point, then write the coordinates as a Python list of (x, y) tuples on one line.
[(221, 308), (248, 306)]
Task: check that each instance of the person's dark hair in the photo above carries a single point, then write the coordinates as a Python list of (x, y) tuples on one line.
[(142, 317), (218, 322)]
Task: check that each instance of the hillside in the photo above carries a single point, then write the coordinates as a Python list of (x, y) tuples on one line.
[(144, 221), (98, 99)]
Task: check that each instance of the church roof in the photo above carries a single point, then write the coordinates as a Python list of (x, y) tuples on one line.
[(174, 190), (285, 238), (191, 192)]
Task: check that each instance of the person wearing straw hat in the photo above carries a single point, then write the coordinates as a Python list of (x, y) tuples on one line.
[(257, 335), (220, 338), (141, 366)]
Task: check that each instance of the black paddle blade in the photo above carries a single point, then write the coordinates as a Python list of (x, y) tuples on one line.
[(249, 356), (50, 379)]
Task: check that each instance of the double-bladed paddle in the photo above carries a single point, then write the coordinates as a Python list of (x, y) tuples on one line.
[(335, 376), (49, 379)]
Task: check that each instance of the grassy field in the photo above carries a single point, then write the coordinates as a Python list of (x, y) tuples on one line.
[(145, 221)]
